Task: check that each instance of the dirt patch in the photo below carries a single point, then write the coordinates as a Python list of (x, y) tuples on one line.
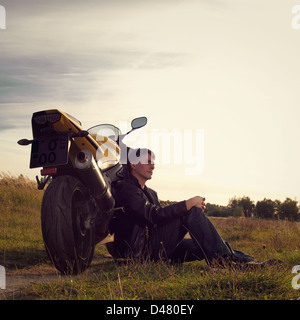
[(17, 280)]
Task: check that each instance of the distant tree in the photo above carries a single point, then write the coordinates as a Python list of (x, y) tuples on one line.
[(238, 211), (247, 205), (216, 210), (265, 208), (289, 210), (232, 203), (277, 207), (244, 202)]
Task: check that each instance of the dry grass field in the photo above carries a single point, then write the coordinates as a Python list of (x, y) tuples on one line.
[(30, 274)]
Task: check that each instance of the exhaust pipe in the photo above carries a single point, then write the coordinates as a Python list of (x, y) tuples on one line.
[(94, 180)]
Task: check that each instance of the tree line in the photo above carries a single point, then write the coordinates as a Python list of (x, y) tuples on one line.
[(245, 207), (266, 209)]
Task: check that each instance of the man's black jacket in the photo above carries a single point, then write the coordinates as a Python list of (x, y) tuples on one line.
[(141, 212)]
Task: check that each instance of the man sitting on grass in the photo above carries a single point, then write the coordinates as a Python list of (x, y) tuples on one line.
[(145, 230)]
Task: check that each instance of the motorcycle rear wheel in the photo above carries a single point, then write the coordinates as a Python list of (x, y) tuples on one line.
[(67, 226)]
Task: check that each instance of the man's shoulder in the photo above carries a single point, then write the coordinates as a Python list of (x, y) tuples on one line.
[(127, 184), (153, 192), (130, 185)]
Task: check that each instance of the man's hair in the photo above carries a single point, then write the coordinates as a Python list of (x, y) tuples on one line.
[(138, 155)]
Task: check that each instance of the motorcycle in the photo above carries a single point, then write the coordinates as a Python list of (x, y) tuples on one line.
[(82, 167)]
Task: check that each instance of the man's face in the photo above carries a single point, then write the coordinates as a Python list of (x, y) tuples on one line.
[(144, 168)]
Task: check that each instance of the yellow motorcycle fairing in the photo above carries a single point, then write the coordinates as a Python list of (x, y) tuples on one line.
[(104, 150)]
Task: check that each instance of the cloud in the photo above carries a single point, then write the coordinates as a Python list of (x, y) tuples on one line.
[(13, 117), (70, 77), (55, 51)]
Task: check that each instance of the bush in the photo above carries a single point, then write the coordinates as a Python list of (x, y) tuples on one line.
[(214, 210), (265, 209), (289, 210), (238, 211)]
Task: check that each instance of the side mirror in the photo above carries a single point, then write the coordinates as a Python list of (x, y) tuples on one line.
[(138, 123), (135, 124)]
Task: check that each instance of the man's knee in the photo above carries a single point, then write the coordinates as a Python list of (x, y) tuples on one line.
[(196, 211), (195, 217)]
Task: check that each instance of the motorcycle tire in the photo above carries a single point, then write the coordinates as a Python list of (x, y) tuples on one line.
[(67, 225)]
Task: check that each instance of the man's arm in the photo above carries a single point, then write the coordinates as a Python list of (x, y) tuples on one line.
[(135, 204)]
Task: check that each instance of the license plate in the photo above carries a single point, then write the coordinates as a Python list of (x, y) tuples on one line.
[(49, 151)]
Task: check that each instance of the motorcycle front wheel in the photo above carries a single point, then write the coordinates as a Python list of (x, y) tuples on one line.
[(67, 226)]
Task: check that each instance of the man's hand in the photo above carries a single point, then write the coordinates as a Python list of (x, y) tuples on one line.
[(197, 201)]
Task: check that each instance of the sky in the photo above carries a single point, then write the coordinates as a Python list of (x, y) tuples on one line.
[(219, 78)]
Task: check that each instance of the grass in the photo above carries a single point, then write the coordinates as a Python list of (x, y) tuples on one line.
[(21, 248), (20, 231)]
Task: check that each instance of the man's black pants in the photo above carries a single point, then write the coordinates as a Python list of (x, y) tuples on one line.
[(168, 240)]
